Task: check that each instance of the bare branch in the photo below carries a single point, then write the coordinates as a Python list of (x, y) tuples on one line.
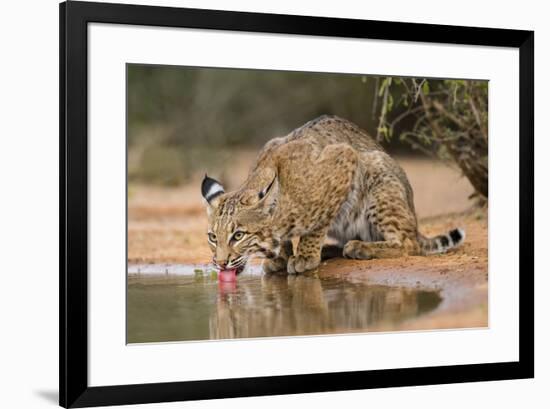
[(375, 100), (439, 107), (383, 111)]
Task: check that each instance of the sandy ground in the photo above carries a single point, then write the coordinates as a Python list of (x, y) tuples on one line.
[(168, 225)]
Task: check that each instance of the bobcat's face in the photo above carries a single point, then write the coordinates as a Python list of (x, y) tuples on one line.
[(239, 223)]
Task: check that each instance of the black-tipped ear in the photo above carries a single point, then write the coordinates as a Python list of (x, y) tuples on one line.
[(211, 189)]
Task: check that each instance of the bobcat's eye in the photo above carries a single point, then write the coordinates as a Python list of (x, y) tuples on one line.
[(238, 236), (212, 237)]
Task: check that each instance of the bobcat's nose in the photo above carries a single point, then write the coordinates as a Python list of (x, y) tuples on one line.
[(221, 264)]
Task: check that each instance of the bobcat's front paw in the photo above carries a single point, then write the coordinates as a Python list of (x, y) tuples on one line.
[(272, 265), (299, 264)]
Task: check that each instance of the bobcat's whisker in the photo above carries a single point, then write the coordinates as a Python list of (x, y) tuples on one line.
[(241, 261)]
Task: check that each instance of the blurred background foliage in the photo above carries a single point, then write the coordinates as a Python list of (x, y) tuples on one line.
[(182, 120)]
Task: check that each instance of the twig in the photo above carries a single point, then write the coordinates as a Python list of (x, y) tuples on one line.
[(383, 110), (375, 102), (418, 89), (441, 109), (417, 145), (403, 115), (478, 120)]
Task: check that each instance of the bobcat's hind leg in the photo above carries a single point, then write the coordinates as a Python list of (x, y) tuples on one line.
[(364, 250), (392, 219)]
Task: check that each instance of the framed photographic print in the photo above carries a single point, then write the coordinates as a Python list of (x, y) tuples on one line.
[(256, 204)]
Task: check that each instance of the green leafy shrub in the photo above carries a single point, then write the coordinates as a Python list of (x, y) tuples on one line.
[(450, 120)]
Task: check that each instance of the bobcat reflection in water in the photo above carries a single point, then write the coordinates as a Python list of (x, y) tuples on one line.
[(183, 307), (281, 305)]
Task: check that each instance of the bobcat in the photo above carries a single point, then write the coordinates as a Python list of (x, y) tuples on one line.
[(326, 178)]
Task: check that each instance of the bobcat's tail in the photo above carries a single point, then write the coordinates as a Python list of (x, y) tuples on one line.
[(443, 242)]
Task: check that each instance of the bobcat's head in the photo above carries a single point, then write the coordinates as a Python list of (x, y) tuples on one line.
[(240, 222)]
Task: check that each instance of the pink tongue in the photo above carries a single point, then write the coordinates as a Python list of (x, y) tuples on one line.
[(228, 275)]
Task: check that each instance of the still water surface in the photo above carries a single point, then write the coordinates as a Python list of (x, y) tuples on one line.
[(183, 307)]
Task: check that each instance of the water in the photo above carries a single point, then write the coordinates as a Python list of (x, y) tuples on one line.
[(194, 306)]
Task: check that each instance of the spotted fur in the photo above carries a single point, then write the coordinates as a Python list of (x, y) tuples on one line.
[(326, 178)]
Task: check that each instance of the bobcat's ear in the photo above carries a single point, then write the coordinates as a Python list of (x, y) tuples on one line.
[(267, 189), (211, 190), (267, 196)]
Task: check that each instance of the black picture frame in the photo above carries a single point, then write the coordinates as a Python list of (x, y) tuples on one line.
[(74, 17)]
